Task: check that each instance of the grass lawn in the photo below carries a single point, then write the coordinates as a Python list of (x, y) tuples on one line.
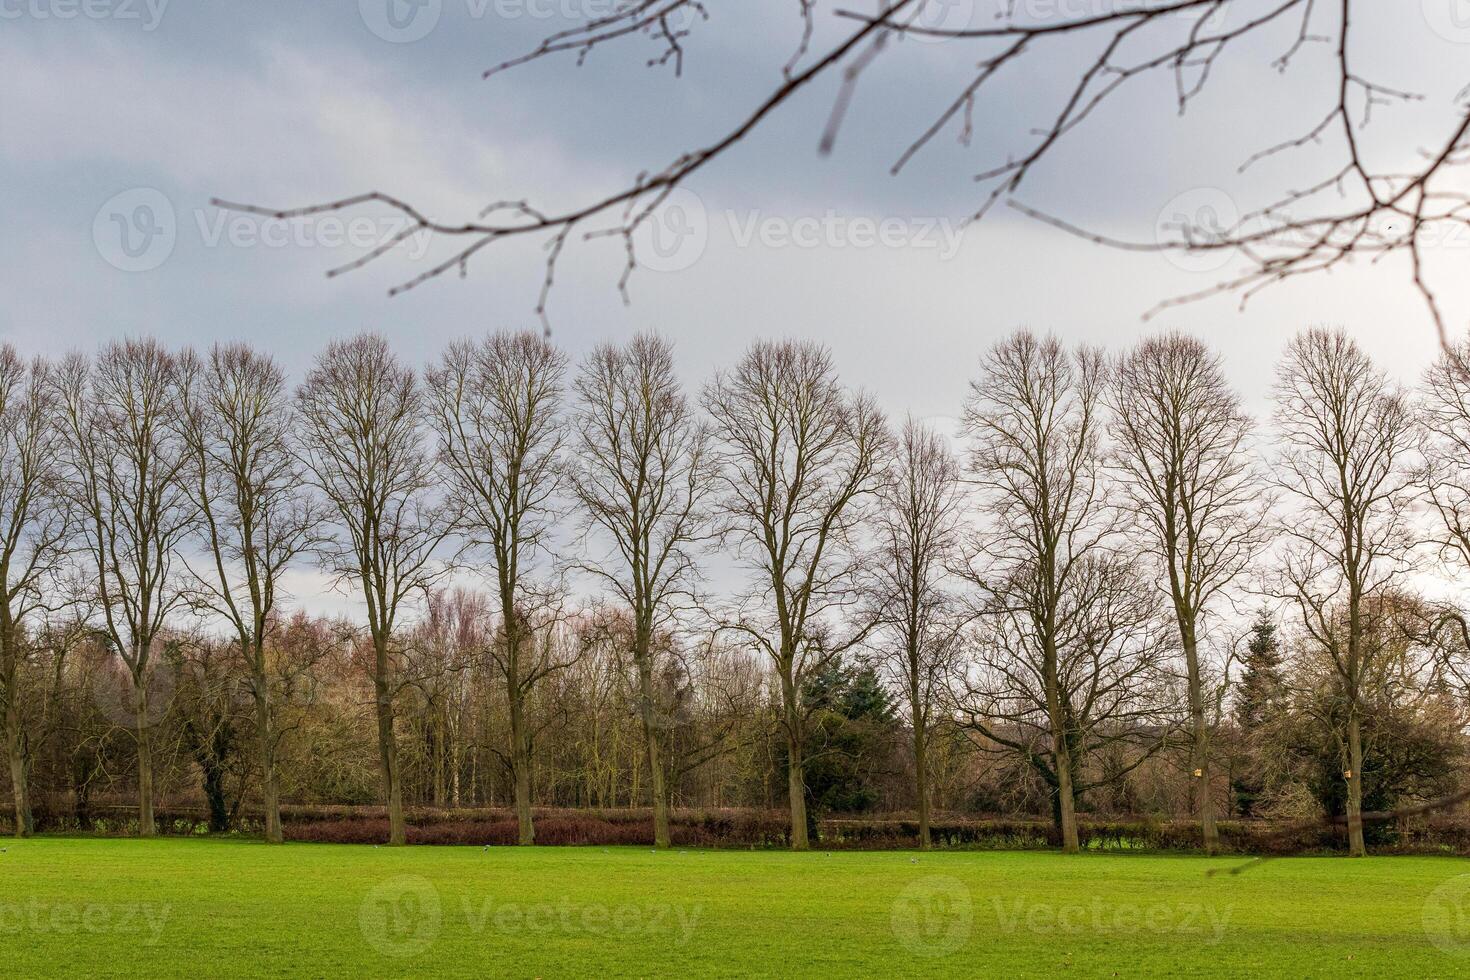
[(238, 908)]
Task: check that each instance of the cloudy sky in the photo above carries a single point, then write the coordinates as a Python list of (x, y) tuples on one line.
[(121, 119)]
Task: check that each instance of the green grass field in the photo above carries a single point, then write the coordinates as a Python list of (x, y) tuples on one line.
[(236, 908)]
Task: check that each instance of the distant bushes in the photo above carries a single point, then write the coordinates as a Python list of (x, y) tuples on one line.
[(1439, 835), (606, 828), (496, 826), (749, 828)]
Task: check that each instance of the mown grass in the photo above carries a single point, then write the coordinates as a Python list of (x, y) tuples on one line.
[(172, 907)]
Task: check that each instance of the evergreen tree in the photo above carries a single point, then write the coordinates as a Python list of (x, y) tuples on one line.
[(1260, 699), (850, 735), (1262, 686)]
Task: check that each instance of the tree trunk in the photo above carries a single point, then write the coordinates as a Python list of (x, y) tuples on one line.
[(1062, 752), (82, 768), (659, 790), (270, 787), (796, 787), (795, 775), (1356, 847), (437, 729), (1066, 805), (921, 779), (15, 737), (650, 740), (1200, 753), (454, 766), (1205, 799), (520, 740), (388, 753), (520, 761), (19, 770), (146, 825)]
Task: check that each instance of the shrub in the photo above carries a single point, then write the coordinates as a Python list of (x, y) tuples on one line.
[(749, 828)]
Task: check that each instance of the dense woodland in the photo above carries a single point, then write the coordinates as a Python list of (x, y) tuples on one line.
[(582, 585)]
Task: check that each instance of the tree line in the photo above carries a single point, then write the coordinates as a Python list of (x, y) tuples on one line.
[(1114, 589)]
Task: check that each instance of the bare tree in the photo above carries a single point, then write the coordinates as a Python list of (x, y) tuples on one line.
[(361, 415), (801, 460), (33, 522), (1103, 697), (1340, 204), (235, 418), (1347, 434), (919, 616), (1035, 418), (642, 472), (1444, 413), (447, 644), (1443, 409), (497, 409), (124, 460), (1196, 499)]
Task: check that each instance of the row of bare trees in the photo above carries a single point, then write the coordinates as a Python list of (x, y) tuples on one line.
[(1060, 587), (1084, 465)]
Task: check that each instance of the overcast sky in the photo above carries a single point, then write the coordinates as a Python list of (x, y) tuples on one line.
[(121, 119)]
